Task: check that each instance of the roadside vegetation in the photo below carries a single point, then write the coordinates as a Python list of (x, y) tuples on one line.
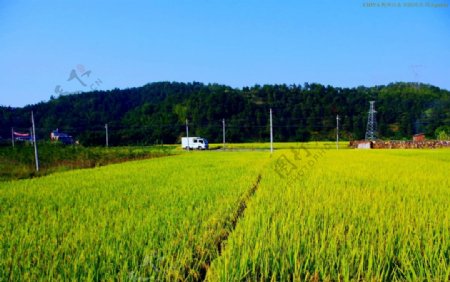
[(19, 163)]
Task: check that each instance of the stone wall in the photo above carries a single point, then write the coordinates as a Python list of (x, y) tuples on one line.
[(393, 144)]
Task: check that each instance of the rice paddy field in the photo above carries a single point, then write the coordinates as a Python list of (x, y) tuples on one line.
[(306, 213)]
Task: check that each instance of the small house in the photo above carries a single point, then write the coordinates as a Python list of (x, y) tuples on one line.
[(419, 137), (361, 144), (365, 145)]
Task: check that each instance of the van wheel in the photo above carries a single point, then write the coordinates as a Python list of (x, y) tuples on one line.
[(199, 148), (186, 148)]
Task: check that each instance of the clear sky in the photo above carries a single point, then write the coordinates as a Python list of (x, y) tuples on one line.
[(234, 42)]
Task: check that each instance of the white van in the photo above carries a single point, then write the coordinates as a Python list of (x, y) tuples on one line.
[(191, 143)]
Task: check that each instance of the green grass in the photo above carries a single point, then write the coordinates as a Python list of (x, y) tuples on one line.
[(19, 163)]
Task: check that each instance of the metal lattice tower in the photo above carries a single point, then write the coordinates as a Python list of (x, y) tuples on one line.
[(371, 132)]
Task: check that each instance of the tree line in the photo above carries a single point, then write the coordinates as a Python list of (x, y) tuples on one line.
[(157, 112)]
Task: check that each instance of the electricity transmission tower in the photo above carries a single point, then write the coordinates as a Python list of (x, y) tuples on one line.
[(371, 132)]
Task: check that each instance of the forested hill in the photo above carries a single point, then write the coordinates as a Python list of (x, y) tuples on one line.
[(156, 113)]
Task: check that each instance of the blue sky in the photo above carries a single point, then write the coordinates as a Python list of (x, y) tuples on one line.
[(236, 42)]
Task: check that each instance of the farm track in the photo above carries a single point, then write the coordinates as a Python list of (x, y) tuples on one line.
[(230, 225)]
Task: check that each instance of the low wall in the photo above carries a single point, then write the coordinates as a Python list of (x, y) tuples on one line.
[(393, 144)]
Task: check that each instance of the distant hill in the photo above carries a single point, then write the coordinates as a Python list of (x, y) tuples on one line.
[(156, 112)]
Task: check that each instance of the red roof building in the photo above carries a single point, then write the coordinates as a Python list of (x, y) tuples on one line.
[(419, 137)]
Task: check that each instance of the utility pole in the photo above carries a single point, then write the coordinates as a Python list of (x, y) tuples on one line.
[(271, 133), (106, 134), (223, 129), (337, 132), (36, 156), (187, 134), (12, 136)]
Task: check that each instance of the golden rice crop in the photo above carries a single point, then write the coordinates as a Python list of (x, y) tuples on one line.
[(318, 214), (352, 215), (156, 219)]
